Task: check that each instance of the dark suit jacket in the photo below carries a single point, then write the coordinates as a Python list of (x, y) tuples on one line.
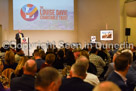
[(24, 83), (110, 70), (75, 84), (17, 36), (39, 63), (1, 87), (114, 77), (131, 77), (18, 39)]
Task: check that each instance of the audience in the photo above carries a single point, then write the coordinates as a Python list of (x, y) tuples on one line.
[(39, 61), (42, 54), (107, 86), (122, 64), (49, 60), (85, 73), (75, 81), (111, 65), (69, 59), (102, 53), (9, 61), (18, 55), (58, 64), (91, 68), (26, 82), (19, 69), (97, 61), (48, 79), (90, 78), (131, 77)]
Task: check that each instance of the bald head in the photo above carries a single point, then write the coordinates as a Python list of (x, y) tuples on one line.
[(107, 86), (30, 67), (84, 60)]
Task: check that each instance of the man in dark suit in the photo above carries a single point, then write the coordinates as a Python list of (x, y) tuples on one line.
[(26, 82), (122, 64), (131, 77), (75, 82), (18, 37)]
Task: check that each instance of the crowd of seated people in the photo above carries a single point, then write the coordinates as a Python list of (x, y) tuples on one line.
[(68, 69)]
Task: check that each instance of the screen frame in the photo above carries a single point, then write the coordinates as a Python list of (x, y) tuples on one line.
[(12, 19), (106, 30)]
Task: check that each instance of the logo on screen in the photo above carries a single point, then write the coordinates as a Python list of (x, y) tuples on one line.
[(29, 12)]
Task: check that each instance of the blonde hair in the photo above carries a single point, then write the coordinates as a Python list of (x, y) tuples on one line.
[(20, 64), (9, 57)]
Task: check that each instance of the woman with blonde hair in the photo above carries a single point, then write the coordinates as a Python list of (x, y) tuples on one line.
[(19, 69), (9, 61)]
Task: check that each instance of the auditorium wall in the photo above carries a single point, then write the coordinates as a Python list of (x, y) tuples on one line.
[(4, 19), (90, 17), (127, 22), (93, 15)]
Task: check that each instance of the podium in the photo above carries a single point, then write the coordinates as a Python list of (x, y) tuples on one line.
[(25, 45)]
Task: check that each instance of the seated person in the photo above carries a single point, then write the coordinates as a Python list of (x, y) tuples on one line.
[(9, 61), (49, 60), (39, 61), (48, 79), (25, 82), (75, 81)]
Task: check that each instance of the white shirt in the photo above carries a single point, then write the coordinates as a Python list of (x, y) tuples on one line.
[(92, 79)]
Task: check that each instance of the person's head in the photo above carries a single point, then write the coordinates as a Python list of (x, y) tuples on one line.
[(107, 86), (70, 54), (19, 31), (48, 79), (2, 49), (50, 58), (84, 60), (42, 54), (122, 62), (20, 65), (9, 57), (94, 50), (78, 70), (115, 55), (84, 53), (30, 67), (60, 53), (103, 47), (129, 54), (36, 54), (1, 66)]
